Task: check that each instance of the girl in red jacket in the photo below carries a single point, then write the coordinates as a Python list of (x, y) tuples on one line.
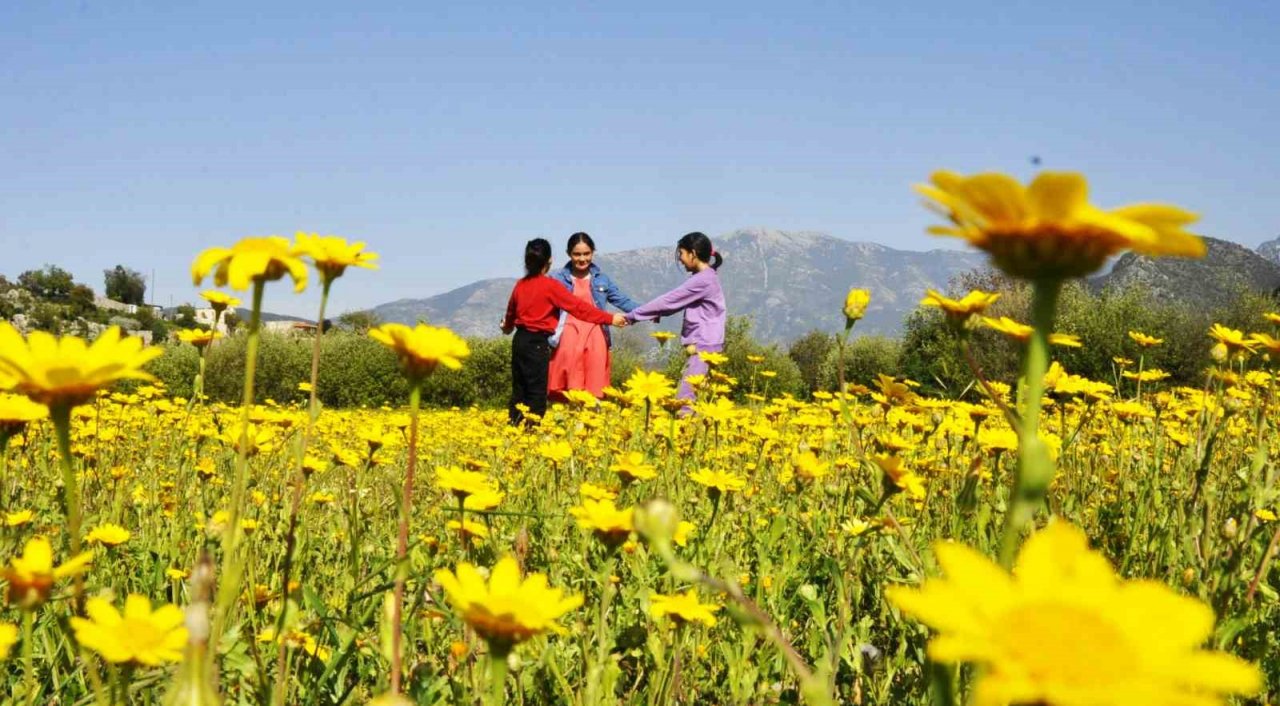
[(533, 312)]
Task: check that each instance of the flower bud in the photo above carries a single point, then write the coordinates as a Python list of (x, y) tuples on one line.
[(657, 520), (855, 306)]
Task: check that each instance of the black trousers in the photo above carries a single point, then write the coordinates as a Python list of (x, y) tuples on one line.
[(530, 359)]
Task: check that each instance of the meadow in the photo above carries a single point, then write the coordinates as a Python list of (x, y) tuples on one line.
[(1060, 541)]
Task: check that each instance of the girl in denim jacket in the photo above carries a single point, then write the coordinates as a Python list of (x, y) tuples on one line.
[(581, 360)]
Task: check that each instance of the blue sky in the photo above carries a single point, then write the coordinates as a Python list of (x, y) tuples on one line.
[(446, 135)]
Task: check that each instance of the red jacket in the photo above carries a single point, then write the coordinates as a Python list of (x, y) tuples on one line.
[(536, 302)]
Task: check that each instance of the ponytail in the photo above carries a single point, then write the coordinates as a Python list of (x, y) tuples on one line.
[(537, 253), (700, 245)]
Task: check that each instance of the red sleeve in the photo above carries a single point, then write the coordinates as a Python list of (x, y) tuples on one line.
[(564, 300), (510, 319)]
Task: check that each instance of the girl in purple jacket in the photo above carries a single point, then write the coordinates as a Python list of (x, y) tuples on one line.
[(702, 301)]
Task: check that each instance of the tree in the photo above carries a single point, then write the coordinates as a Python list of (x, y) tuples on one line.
[(125, 285), (360, 321), (81, 300), (185, 317), (148, 321), (808, 352), (50, 284)]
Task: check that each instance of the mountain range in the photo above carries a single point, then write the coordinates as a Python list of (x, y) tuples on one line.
[(787, 282), (791, 282)]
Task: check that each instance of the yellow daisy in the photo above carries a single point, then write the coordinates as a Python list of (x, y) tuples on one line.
[(1065, 630), (1048, 229), (250, 260)]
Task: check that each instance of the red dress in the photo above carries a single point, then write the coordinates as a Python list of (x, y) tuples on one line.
[(581, 361)]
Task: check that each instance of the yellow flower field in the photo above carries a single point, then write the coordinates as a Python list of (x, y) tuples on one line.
[(819, 553), (1066, 542)]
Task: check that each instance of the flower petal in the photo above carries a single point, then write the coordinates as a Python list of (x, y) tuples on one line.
[(1056, 196)]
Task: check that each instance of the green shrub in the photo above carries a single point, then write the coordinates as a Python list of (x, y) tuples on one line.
[(283, 362), (634, 348), (739, 344), (930, 355), (357, 371), (1101, 320), (864, 358), (177, 368), (485, 377)]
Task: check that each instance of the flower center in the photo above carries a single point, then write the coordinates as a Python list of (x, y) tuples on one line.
[(1066, 644), (140, 636)]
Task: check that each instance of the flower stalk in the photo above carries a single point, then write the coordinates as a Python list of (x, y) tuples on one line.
[(229, 586), (295, 498), (402, 540), (60, 415), (1035, 467), (497, 677)]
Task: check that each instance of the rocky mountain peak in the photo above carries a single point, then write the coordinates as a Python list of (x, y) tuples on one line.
[(1270, 250), (1226, 269)]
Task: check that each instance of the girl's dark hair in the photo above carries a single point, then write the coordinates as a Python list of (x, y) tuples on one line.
[(537, 253), (700, 245), (579, 237)]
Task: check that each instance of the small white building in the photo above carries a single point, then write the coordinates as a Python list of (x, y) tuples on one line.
[(205, 317), (113, 305), (294, 328)]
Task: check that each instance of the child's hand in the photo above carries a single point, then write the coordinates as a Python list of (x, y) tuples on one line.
[(620, 321), (505, 328)]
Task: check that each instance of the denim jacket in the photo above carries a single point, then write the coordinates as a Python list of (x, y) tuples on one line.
[(603, 292)]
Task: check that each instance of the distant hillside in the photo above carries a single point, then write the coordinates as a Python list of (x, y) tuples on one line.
[(1226, 270), (787, 282)]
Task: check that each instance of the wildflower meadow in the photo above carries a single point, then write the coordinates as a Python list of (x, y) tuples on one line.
[(1061, 540)]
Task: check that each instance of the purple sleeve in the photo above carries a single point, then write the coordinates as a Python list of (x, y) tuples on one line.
[(671, 302)]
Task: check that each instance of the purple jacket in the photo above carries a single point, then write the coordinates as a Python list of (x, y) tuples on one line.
[(701, 299)]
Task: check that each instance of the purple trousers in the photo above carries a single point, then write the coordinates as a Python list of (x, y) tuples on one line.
[(693, 365)]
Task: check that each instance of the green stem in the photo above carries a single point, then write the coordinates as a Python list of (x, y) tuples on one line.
[(402, 541), (602, 632), (229, 586), (497, 677), (1035, 467), (5, 435), (840, 343), (28, 661), (278, 692), (120, 677), (60, 414)]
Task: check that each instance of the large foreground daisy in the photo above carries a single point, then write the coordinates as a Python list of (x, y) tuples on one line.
[(1049, 230), (1064, 630)]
